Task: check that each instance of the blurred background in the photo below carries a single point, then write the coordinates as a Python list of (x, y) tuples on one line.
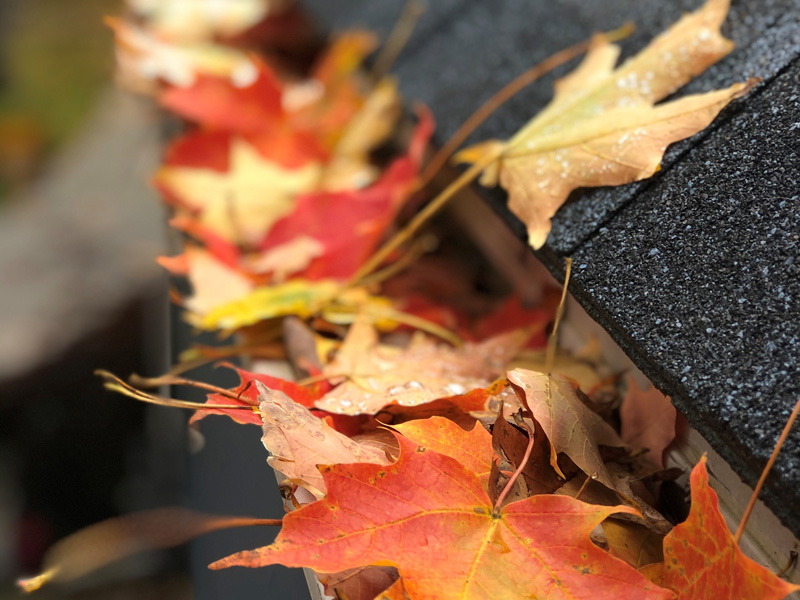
[(79, 290)]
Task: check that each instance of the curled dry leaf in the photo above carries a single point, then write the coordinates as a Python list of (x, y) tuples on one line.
[(569, 425), (648, 421), (431, 517), (298, 441), (702, 560), (378, 375), (602, 127), (361, 583), (539, 475), (106, 542)]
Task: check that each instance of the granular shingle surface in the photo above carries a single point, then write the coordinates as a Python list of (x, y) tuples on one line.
[(696, 271)]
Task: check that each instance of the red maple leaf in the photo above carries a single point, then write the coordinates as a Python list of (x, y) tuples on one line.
[(247, 395), (702, 560)]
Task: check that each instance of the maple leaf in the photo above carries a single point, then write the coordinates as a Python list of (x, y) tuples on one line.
[(702, 560), (430, 517), (246, 394), (219, 104), (321, 112), (242, 202), (144, 60), (295, 297), (362, 217), (213, 282), (298, 441), (602, 127), (568, 423), (472, 448), (648, 421), (378, 375)]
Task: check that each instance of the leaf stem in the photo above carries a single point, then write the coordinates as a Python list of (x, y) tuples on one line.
[(153, 382), (115, 384), (750, 505), (398, 38), (521, 467), (552, 342)]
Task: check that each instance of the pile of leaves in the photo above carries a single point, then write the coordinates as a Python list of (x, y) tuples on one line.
[(475, 465)]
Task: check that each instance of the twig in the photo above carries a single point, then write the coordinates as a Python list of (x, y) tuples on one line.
[(420, 248), (552, 342), (789, 564), (750, 505), (398, 38)]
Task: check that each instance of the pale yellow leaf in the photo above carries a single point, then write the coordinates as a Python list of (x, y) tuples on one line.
[(602, 127)]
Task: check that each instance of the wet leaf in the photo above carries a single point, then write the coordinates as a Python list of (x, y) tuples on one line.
[(378, 375), (431, 517), (298, 441), (602, 127)]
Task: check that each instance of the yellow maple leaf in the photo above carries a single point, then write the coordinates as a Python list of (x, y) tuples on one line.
[(242, 203), (602, 127)]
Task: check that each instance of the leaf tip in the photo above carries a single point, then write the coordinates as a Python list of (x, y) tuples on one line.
[(34, 583)]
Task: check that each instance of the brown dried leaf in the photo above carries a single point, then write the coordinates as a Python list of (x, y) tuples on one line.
[(511, 442), (569, 425), (361, 583)]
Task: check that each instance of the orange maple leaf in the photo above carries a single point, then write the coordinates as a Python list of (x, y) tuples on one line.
[(472, 448), (431, 517), (702, 560)]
